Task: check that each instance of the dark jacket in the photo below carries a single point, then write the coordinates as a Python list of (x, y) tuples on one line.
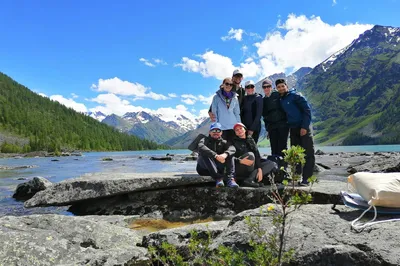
[(240, 91), (211, 147), (246, 145), (297, 109), (251, 111), (273, 114)]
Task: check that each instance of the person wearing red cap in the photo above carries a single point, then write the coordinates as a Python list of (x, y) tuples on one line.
[(247, 165)]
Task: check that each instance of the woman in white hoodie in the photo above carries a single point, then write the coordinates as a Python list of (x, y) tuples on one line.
[(225, 106)]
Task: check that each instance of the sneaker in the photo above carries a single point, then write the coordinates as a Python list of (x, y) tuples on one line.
[(232, 183), (250, 184), (302, 184), (220, 183)]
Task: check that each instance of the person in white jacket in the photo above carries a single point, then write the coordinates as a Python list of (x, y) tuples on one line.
[(225, 106)]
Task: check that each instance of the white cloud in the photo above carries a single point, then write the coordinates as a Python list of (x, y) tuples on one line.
[(126, 88), (305, 42), (79, 107), (203, 113), (250, 69), (244, 48), (172, 95), (206, 100), (159, 61), (156, 61), (233, 34), (213, 65), (74, 96), (112, 104), (188, 101), (42, 94), (334, 3), (146, 62)]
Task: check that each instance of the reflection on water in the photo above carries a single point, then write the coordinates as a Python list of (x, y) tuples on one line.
[(154, 225)]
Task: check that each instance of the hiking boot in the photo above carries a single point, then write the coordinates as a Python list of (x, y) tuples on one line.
[(220, 183), (303, 184), (250, 184), (232, 183)]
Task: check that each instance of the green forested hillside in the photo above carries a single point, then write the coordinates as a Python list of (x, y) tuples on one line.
[(51, 126), (356, 99)]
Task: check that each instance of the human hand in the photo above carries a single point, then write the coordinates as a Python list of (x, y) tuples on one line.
[(220, 158), (246, 161), (250, 132), (303, 132), (259, 175), (212, 116)]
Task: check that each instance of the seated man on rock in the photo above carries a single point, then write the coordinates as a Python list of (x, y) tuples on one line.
[(214, 156)]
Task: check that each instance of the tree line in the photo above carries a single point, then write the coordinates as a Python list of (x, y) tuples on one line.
[(51, 126)]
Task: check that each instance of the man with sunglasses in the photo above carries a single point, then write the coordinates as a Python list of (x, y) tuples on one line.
[(274, 119), (298, 113), (251, 111), (237, 77), (214, 156)]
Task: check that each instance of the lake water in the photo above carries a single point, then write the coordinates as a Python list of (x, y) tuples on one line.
[(123, 162)]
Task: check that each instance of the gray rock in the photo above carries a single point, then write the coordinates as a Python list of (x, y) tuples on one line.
[(66, 240), (161, 158), (321, 237), (196, 202), (98, 185), (180, 237), (2, 167), (319, 152), (27, 190)]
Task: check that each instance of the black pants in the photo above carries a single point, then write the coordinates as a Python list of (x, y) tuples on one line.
[(278, 138), (242, 171), (228, 134), (256, 135), (307, 143), (211, 167)]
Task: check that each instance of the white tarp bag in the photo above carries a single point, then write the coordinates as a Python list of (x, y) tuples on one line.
[(378, 189)]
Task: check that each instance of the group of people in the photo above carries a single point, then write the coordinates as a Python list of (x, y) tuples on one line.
[(230, 155)]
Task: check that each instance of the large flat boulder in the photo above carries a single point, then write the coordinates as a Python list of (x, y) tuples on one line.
[(196, 202), (99, 185), (66, 240)]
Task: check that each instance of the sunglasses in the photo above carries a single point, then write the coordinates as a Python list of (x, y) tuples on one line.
[(228, 84), (216, 130), (250, 87), (267, 86)]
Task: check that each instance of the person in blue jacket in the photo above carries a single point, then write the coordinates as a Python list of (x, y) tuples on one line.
[(225, 107), (252, 111), (298, 113)]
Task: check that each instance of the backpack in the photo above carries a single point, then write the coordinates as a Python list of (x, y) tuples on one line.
[(193, 145)]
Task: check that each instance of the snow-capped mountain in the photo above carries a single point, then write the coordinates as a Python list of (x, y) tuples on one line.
[(96, 115), (153, 126)]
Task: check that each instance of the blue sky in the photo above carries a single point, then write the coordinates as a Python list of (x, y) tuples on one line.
[(170, 56)]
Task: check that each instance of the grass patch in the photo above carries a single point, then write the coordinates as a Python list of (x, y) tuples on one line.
[(350, 130)]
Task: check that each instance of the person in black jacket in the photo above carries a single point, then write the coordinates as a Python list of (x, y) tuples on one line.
[(214, 156), (252, 110), (249, 168), (274, 119)]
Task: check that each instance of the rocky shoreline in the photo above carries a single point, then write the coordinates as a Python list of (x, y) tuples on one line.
[(108, 203)]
